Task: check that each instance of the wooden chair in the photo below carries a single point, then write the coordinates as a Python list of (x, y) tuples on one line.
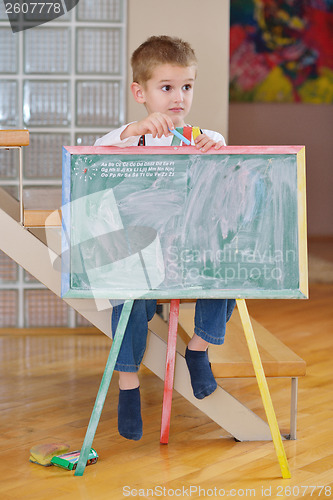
[(282, 361), (232, 360), (16, 139)]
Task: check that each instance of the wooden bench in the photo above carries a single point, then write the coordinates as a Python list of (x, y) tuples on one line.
[(42, 206), (30, 215), (42, 218), (16, 139), (232, 360)]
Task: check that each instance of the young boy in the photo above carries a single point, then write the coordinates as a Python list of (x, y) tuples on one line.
[(164, 73)]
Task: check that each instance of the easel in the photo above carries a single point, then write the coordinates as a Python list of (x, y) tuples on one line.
[(298, 187), (168, 383)]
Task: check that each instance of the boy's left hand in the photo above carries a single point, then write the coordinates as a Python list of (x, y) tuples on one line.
[(204, 143)]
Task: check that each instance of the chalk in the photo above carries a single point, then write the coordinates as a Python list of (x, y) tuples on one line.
[(180, 136)]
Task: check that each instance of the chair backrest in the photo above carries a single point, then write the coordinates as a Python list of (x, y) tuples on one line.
[(12, 138)]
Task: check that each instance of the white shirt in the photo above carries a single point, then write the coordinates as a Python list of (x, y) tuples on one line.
[(113, 139)]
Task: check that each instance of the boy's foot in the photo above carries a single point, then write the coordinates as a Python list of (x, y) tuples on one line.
[(202, 378), (129, 414)]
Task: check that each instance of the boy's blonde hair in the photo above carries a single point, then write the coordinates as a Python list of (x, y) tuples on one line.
[(158, 50)]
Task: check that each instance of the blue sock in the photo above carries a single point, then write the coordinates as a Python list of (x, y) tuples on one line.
[(202, 378), (129, 414)]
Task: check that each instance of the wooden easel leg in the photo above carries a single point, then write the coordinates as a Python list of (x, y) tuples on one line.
[(104, 387), (263, 387), (169, 370)]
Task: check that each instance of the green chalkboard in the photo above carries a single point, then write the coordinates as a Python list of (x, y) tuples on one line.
[(175, 223)]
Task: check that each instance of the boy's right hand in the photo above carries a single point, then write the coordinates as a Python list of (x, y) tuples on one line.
[(156, 124)]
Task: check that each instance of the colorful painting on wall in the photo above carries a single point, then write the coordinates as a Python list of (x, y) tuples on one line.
[(281, 51)]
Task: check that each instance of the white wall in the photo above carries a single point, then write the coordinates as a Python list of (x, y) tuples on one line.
[(296, 123), (205, 25)]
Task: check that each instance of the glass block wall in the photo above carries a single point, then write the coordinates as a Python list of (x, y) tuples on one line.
[(65, 82)]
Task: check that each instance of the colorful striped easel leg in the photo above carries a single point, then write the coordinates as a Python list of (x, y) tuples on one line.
[(263, 387), (104, 387), (169, 370)]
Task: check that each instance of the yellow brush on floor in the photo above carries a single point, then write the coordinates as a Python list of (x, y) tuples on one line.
[(43, 453)]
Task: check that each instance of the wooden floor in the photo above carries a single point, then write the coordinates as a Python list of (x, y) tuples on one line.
[(48, 387)]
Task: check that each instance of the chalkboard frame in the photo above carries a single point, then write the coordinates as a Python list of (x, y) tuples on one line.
[(297, 151)]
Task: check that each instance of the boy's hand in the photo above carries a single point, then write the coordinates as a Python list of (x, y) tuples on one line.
[(156, 124), (204, 143)]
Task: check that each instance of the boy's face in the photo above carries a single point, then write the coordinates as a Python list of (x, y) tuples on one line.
[(169, 91)]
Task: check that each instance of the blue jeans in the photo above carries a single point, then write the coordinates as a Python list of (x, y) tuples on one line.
[(211, 316)]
